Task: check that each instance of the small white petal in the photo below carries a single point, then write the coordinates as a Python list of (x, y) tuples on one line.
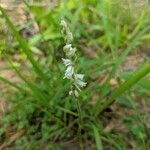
[(67, 48), (79, 76), (63, 23), (76, 93), (80, 83), (71, 52), (70, 92), (67, 62), (69, 72)]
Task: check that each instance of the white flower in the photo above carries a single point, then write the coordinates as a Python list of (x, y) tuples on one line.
[(67, 47), (63, 23), (67, 62), (70, 92), (79, 83), (69, 50), (69, 72), (79, 76), (76, 93)]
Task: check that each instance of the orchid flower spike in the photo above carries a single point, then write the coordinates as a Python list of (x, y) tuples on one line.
[(76, 79)]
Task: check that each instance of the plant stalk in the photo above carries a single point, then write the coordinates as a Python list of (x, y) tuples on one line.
[(79, 123)]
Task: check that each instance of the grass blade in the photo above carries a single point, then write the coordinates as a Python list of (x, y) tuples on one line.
[(97, 138), (25, 49), (118, 62), (11, 84), (35, 90), (127, 85)]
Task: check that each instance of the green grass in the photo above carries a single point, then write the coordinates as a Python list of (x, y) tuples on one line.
[(104, 34)]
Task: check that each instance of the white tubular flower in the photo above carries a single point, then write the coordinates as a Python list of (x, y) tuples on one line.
[(67, 62), (79, 83), (69, 50), (76, 93), (79, 76), (70, 73), (63, 24), (71, 92)]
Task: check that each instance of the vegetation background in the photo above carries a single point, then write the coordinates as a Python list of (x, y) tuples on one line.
[(112, 40)]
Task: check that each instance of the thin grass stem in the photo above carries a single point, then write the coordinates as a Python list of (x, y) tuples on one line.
[(142, 72)]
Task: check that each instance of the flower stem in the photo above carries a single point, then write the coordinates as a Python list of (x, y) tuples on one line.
[(79, 123)]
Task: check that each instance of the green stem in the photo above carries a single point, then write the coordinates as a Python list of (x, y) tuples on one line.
[(79, 112), (127, 85), (79, 123)]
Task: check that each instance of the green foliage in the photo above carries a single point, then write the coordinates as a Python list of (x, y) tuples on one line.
[(97, 138), (105, 34)]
